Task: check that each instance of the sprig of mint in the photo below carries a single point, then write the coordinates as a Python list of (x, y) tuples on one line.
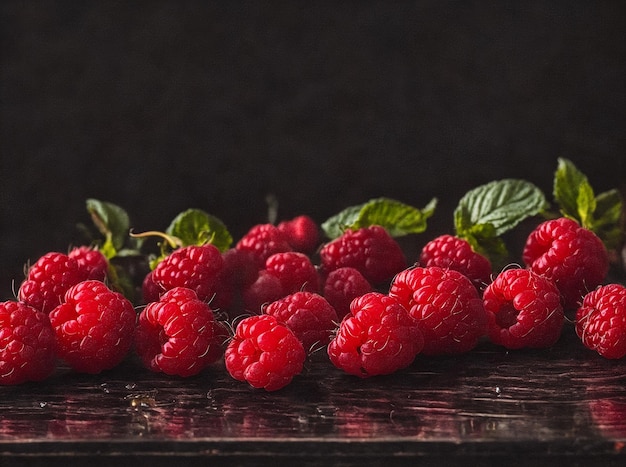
[(486, 212), (197, 227), (576, 199), (113, 222), (397, 218)]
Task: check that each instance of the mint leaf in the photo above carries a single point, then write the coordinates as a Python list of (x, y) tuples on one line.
[(503, 204), (576, 199), (397, 218), (607, 218), (573, 193), (196, 227), (336, 225), (484, 240), (112, 221)]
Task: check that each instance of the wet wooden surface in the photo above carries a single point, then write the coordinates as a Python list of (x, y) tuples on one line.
[(487, 407)]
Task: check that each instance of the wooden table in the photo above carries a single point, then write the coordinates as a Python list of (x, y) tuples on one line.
[(488, 407)]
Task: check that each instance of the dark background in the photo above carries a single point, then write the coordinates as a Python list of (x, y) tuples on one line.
[(165, 105)]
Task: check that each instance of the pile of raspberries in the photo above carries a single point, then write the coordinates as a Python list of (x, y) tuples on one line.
[(279, 294)]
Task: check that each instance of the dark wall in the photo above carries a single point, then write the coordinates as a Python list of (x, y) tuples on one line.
[(165, 105)]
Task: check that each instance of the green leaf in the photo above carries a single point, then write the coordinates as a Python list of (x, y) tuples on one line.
[(607, 218), (112, 221), (502, 204), (397, 218), (336, 225), (483, 239), (196, 227), (574, 194), (586, 205), (601, 214), (568, 181)]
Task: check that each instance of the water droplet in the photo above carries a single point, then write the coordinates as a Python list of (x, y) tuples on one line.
[(43, 404), (498, 391), (131, 386)]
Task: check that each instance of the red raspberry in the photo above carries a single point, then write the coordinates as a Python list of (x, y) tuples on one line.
[(48, 280), (199, 268), (342, 286), (266, 289), (601, 321), (240, 267), (92, 261), (446, 306), (371, 250), (302, 233), (178, 335), (311, 318), (264, 353), (571, 256), (150, 290), (94, 327), (263, 240), (450, 252), (295, 271), (378, 337), (524, 310), (27, 344)]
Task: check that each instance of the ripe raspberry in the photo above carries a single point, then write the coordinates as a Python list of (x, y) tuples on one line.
[(150, 290), (240, 267), (371, 250), (92, 261), (266, 289), (264, 353), (378, 337), (27, 344), (199, 268), (178, 335), (572, 257), (601, 321), (94, 327), (302, 233), (295, 271), (311, 318), (48, 280), (450, 252), (342, 286), (523, 309), (446, 306), (263, 240)]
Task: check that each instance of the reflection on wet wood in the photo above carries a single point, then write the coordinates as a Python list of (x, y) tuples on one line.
[(490, 404)]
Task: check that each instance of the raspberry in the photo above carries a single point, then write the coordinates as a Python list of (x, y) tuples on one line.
[(572, 257), (92, 261), (263, 240), (371, 250), (199, 268), (342, 286), (27, 344), (48, 280), (240, 267), (446, 306), (150, 290), (302, 233), (94, 327), (266, 289), (294, 270), (378, 337), (524, 310), (264, 353), (450, 252), (311, 318), (601, 321), (178, 335)]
